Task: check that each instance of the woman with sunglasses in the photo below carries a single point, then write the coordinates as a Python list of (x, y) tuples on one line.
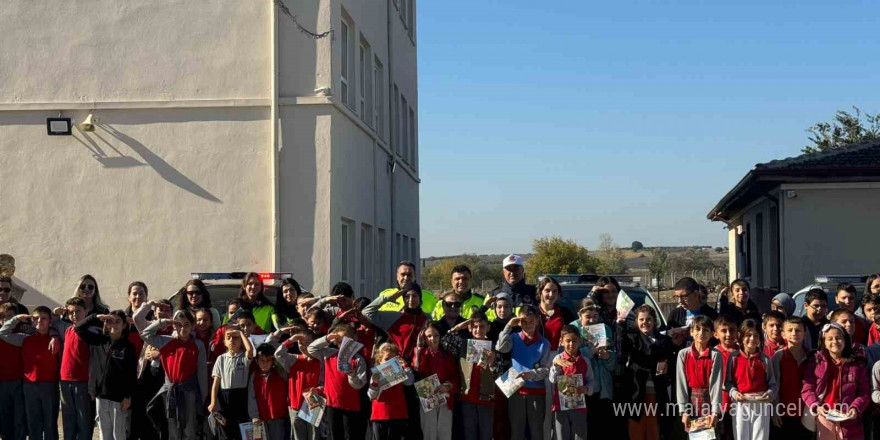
[(87, 289), (451, 304), (193, 296)]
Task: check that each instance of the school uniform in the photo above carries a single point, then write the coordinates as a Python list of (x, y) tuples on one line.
[(186, 381), (725, 426), (570, 424), (12, 424), (437, 423), (77, 415), (389, 413), (527, 408), (476, 393), (789, 373), (343, 411), (40, 369), (303, 374), (746, 374), (233, 371), (267, 401), (698, 382), (112, 376)]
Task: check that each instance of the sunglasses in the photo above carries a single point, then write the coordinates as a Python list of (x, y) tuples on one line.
[(88, 287), (453, 305), (6, 290), (193, 293)]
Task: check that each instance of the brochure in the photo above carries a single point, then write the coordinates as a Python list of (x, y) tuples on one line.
[(249, 431), (700, 424), (836, 416), (347, 349), (390, 373), (312, 409), (595, 334), (624, 304), (508, 383), (568, 398), (475, 349), (702, 434), (429, 394)]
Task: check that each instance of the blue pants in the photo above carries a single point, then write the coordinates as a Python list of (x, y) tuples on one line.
[(77, 416), (41, 410), (11, 410)]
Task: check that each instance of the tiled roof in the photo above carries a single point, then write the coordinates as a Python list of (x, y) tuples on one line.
[(862, 155)]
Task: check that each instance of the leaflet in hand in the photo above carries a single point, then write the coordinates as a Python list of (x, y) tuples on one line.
[(595, 334), (754, 397), (249, 431), (569, 398), (429, 393), (391, 373), (312, 409), (624, 304), (702, 434), (508, 383), (836, 416), (475, 349), (347, 349)]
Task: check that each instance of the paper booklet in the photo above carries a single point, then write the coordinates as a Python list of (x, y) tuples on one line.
[(249, 431), (508, 383), (312, 409), (624, 304), (596, 335), (391, 373), (476, 348), (347, 349), (429, 395), (568, 399)]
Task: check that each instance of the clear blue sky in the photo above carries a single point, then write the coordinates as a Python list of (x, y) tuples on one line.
[(627, 117)]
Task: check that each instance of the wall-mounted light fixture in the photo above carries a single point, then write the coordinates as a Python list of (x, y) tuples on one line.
[(58, 126)]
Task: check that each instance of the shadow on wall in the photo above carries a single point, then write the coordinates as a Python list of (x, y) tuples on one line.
[(32, 297)]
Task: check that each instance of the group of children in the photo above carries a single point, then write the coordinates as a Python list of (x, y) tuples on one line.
[(507, 371)]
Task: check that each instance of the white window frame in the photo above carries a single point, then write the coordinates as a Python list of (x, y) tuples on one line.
[(345, 33)]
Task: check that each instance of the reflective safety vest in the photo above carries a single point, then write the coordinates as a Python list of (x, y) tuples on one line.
[(429, 301)]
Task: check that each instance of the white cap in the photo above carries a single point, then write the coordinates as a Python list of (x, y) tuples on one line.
[(512, 260)]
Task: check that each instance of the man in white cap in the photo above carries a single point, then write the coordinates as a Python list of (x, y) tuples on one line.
[(514, 283)]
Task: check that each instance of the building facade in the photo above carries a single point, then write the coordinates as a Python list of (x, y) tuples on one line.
[(225, 138), (792, 220)]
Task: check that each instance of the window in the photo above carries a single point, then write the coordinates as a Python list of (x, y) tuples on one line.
[(347, 249), (381, 257), (397, 248), (748, 250), (412, 250), (409, 16), (759, 249), (413, 148), (366, 258), (404, 252), (344, 72), (365, 91), (402, 10), (404, 136), (378, 97), (395, 122)]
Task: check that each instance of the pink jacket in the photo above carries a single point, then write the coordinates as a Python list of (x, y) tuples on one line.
[(854, 388)]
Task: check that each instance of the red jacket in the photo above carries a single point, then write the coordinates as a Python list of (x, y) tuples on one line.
[(40, 364), (390, 405), (444, 365), (10, 368), (303, 375), (749, 373), (269, 394), (75, 359)]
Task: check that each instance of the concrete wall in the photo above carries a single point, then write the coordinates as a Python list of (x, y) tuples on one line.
[(829, 229)]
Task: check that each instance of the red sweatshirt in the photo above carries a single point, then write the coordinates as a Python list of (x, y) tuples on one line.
[(303, 375), (791, 377), (40, 365), (725, 356), (390, 405), (579, 366), (339, 393), (10, 367), (553, 326), (270, 395), (179, 360), (75, 359), (749, 373), (405, 332), (444, 365), (366, 334)]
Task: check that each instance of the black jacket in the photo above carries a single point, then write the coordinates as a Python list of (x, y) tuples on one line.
[(677, 317), (520, 293), (643, 355), (112, 364), (738, 316)]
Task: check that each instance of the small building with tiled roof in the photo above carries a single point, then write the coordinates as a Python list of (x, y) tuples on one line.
[(815, 214)]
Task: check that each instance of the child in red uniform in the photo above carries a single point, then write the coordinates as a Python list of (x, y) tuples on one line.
[(77, 417), (726, 333), (40, 366), (186, 376), (788, 367), (267, 396), (343, 413), (11, 400), (432, 359), (698, 381), (389, 416), (772, 327), (304, 372), (751, 384), (570, 424)]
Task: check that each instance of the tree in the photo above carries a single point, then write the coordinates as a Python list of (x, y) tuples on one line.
[(719, 250), (440, 273), (611, 258), (637, 246), (659, 265), (554, 255), (845, 129)]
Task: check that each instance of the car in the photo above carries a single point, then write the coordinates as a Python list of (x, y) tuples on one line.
[(829, 283), (225, 286), (577, 287)]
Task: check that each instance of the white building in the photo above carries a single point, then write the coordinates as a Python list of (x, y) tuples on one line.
[(225, 139)]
